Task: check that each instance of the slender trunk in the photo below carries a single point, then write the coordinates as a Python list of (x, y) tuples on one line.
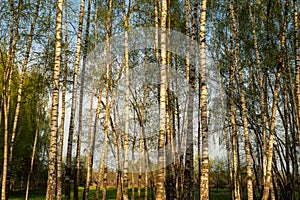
[(89, 162), (227, 145), (102, 171), (160, 189), (73, 107), (40, 106), (140, 162), (118, 167), (193, 76), (297, 64), (106, 129), (156, 2), (148, 171), (204, 190), (108, 105), (6, 86), (8, 70), (9, 65), (141, 139), (261, 92), (9, 56), (133, 169), (63, 107), (51, 183), (256, 164), (133, 157), (189, 158), (287, 130), (5, 152), (35, 138), (170, 151), (90, 157), (20, 92), (146, 177), (148, 168), (243, 102), (234, 139), (102, 178), (126, 130), (97, 116), (294, 129), (82, 85), (281, 66), (99, 96)]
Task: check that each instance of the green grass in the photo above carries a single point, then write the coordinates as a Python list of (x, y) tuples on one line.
[(40, 195), (33, 195), (221, 194)]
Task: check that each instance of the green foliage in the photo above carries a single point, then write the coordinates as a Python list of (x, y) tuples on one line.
[(219, 174)]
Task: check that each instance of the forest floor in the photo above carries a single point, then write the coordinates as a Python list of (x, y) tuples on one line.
[(220, 194)]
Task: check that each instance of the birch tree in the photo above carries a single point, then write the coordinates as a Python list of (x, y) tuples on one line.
[(189, 158), (297, 63), (73, 106), (63, 106), (160, 190), (127, 95), (204, 185), (6, 85), (91, 139), (51, 183), (281, 66), (82, 85), (243, 102)]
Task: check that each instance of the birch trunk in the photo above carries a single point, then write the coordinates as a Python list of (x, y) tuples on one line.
[(297, 64), (261, 91), (99, 96), (89, 163), (234, 138), (106, 129), (40, 106), (189, 158), (227, 144), (51, 183), (243, 102), (63, 107), (6, 95), (107, 109), (103, 163), (126, 130), (73, 106), (281, 66), (204, 187), (20, 92), (141, 140), (9, 56), (160, 189), (82, 84), (118, 167), (5, 151)]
